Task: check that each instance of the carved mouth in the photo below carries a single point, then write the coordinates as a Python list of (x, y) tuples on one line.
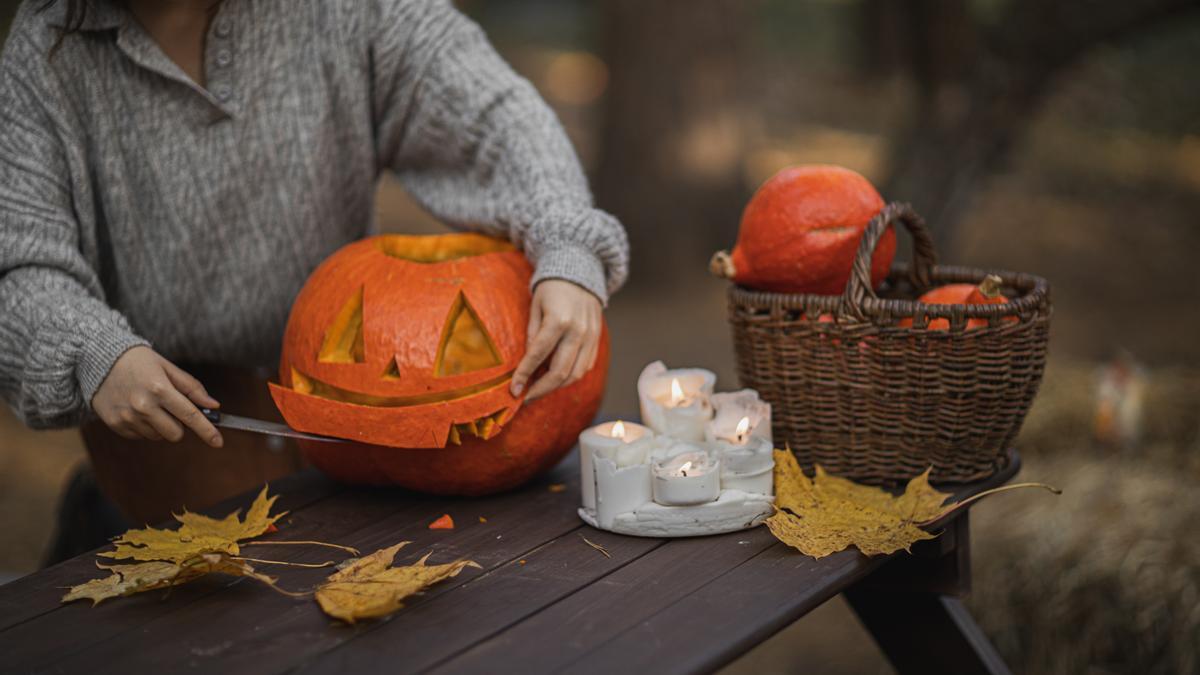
[(306, 384), (484, 427)]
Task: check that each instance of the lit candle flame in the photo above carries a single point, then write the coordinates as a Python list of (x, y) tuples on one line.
[(743, 427), (684, 469), (676, 392), (618, 430)]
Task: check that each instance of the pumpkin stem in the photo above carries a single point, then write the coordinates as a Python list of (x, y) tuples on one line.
[(721, 265), (990, 286)]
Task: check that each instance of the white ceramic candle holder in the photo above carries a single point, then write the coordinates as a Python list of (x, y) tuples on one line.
[(694, 471)]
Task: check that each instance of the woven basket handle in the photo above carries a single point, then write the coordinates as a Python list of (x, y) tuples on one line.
[(859, 289)]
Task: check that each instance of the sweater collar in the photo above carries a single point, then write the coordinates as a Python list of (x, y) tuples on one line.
[(100, 15)]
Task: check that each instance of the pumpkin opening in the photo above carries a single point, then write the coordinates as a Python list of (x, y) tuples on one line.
[(465, 345), (343, 341), (435, 248)]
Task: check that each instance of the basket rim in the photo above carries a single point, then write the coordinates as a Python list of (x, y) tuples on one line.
[(1033, 301)]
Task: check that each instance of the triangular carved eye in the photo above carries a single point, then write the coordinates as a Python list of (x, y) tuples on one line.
[(343, 341), (465, 346)]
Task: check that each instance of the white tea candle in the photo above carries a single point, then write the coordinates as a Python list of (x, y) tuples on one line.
[(687, 478), (620, 437), (676, 402)]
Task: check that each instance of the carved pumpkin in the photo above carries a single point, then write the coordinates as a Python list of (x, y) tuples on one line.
[(411, 342), (800, 233)]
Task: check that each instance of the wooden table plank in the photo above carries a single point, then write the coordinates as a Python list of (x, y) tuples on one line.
[(40, 593), (725, 618), (420, 637), (40, 641), (603, 610), (250, 629)]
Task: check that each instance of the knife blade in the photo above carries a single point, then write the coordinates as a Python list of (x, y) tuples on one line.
[(256, 426)]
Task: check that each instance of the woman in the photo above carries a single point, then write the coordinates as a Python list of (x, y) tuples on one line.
[(172, 170)]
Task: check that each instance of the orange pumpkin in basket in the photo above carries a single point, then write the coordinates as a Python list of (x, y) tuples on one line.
[(801, 230), (411, 343), (986, 293)]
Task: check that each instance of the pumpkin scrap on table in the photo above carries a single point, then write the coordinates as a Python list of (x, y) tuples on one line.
[(800, 232), (827, 514), (370, 588), (411, 342), (445, 522)]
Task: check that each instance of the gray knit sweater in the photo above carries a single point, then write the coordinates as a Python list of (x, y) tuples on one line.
[(137, 207)]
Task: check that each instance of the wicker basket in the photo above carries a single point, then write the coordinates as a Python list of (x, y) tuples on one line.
[(871, 400)]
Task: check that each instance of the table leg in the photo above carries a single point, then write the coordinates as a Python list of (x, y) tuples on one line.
[(909, 607)]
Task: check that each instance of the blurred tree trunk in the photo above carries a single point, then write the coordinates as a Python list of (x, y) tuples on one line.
[(979, 84), (673, 138)]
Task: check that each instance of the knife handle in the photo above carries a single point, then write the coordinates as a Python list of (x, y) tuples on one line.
[(211, 415)]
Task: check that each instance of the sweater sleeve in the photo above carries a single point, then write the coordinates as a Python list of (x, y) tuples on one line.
[(477, 146), (58, 338)]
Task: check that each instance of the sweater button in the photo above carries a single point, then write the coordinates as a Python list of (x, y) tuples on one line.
[(224, 58), (223, 92), (224, 27)]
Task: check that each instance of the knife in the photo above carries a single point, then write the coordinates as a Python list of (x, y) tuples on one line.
[(254, 426)]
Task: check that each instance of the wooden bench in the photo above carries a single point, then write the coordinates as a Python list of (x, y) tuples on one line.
[(545, 601)]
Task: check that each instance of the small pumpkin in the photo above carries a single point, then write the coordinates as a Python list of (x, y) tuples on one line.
[(987, 292), (800, 232), (410, 342)]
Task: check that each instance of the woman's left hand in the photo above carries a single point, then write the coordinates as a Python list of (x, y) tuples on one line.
[(565, 320)]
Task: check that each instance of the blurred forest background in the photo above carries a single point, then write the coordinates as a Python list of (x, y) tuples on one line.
[(1059, 137)]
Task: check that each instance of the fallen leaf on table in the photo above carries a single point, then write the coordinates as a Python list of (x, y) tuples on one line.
[(827, 514), (148, 576), (482, 519), (197, 534), (443, 523), (558, 487), (370, 587)]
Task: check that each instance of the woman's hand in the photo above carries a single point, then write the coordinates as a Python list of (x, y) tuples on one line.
[(147, 396), (563, 319)]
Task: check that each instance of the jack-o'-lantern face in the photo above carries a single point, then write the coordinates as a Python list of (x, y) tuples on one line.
[(407, 341)]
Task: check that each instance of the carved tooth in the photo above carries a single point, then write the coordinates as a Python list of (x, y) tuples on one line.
[(472, 427), (454, 436), (485, 430)]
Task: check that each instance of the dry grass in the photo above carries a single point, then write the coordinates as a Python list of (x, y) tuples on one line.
[(1105, 578)]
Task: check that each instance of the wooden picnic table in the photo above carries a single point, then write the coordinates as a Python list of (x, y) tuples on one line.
[(544, 600)]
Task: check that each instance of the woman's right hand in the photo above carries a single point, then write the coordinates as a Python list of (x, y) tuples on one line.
[(146, 396)]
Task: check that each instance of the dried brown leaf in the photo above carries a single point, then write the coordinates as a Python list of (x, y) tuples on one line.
[(370, 587), (147, 576), (197, 534), (827, 514)]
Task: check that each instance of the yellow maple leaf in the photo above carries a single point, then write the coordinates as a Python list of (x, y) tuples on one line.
[(827, 514), (197, 534), (147, 576), (369, 587)]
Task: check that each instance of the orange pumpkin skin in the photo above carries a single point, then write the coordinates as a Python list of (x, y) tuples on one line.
[(986, 293), (801, 230), (440, 432)]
